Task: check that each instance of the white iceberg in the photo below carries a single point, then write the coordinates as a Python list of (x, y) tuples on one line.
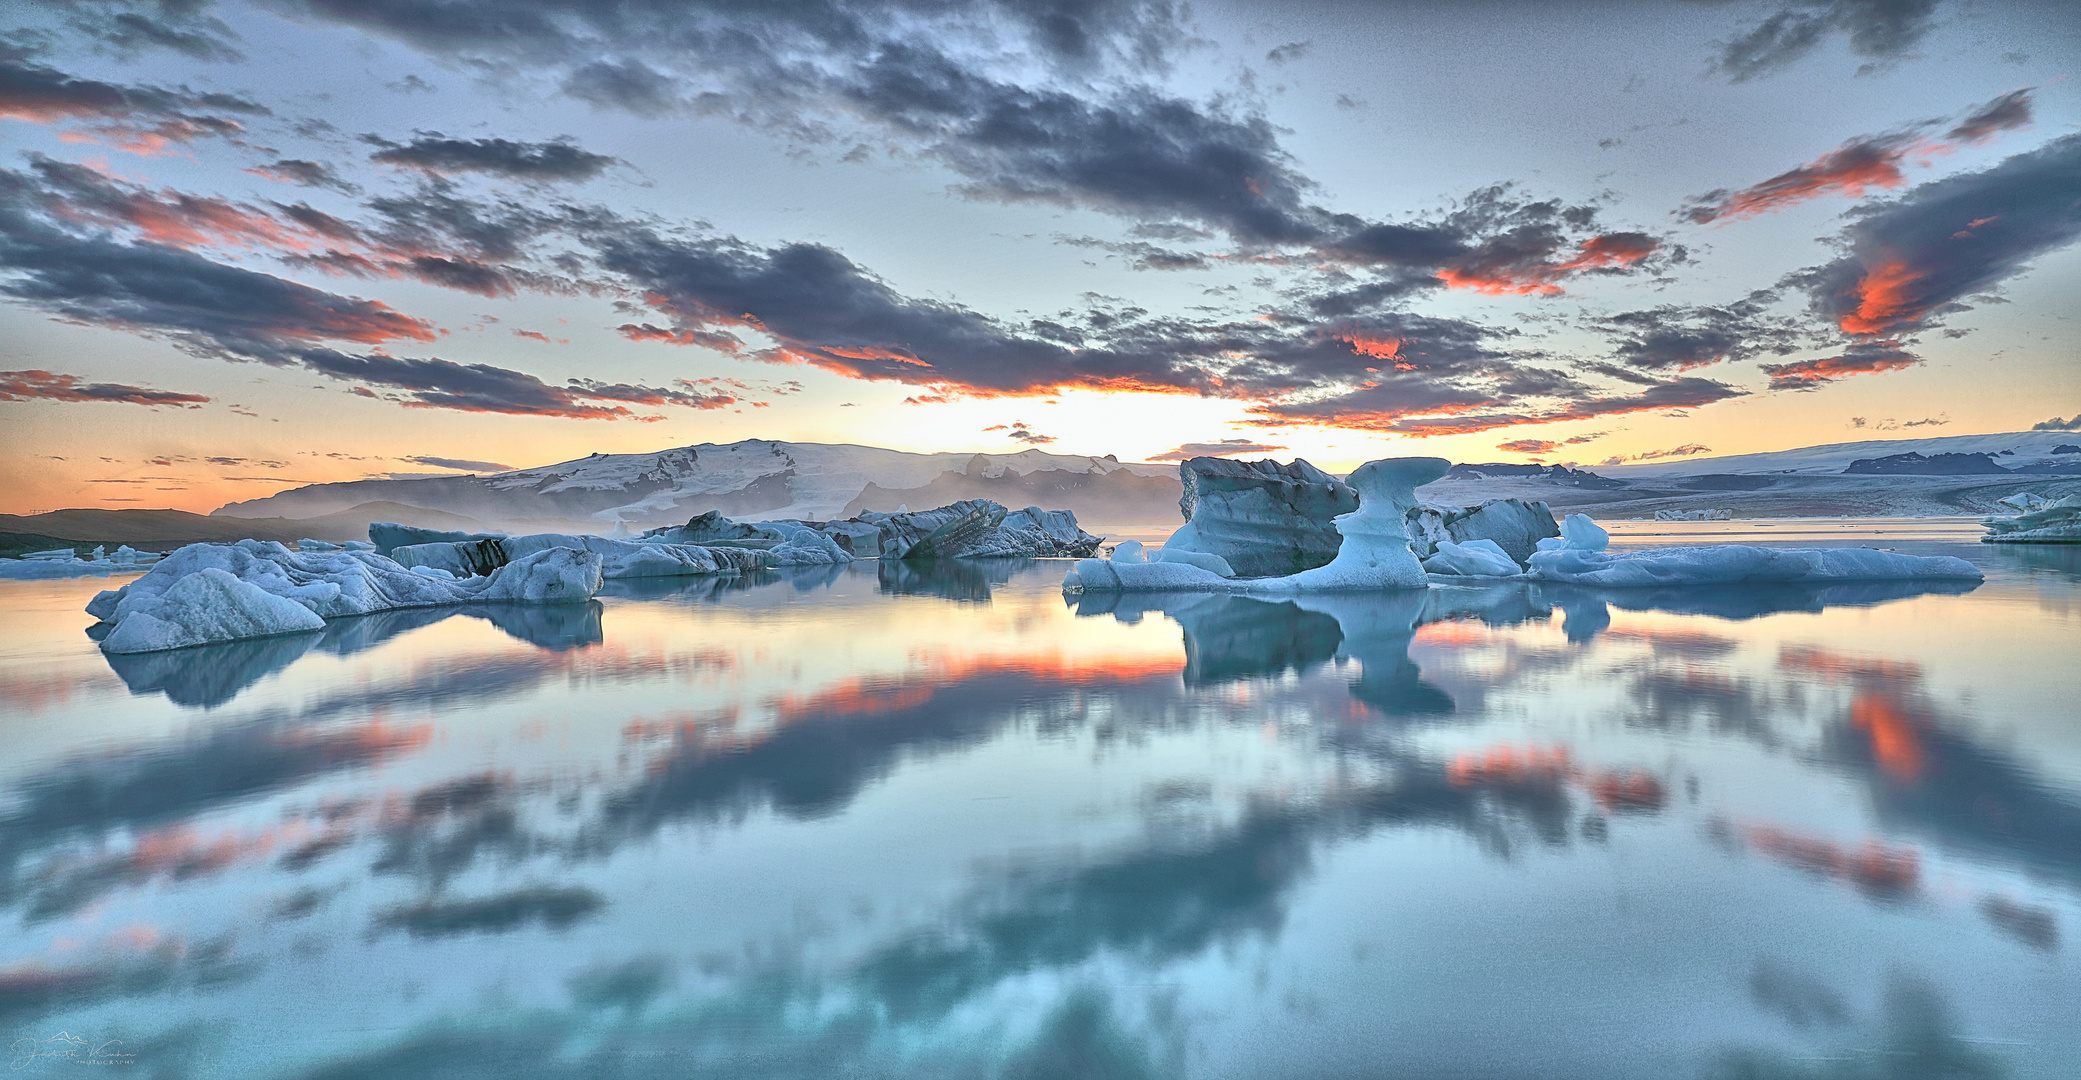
[(2045, 522), (1475, 558), (38, 569), (205, 607), (1373, 554), (778, 544), (1694, 515), (324, 584), (1261, 517), (1580, 559), (1515, 525)]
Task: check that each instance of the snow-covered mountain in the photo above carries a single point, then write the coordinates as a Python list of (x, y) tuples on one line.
[(2016, 448), (757, 477)]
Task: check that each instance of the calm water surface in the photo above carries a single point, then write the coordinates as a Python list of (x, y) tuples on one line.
[(889, 821)]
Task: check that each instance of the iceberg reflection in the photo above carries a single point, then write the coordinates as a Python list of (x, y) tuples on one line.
[(206, 676)]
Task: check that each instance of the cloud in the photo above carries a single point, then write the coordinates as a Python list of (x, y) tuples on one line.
[(1686, 450), (557, 161), (1529, 446), (1879, 30), (139, 118), (459, 464), (1949, 239), (1224, 448), (175, 25), (1684, 337), (45, 386), (2005, 113), (1386, 408), (214, 309), (306, 173), (1860, 166), (2056, 424), (1495, 242), (1862, 358)]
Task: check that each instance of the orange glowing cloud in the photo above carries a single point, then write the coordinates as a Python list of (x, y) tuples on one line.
[(1379, 348), (1884, 299)]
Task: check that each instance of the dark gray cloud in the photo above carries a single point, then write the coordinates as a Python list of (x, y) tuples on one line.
[(2056, 424), (142, 118), (2007, 112), (1911, 258), (560, 160), (1673, 337), (1387, 407), (129, 27), (1495, 241), (54, 261), (1858, 358), (305, 173), (46, 386), (1881, 31)]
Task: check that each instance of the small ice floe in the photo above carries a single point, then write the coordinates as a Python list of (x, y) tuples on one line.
[(1580, 558), (206, 593), (1694, 515), (63, 563), (2044, 521), (1475, 558)]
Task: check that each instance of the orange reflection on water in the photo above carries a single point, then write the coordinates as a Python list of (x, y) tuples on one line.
[(1627, 790), (1893, 741), (1872, 866), (1509, 765)]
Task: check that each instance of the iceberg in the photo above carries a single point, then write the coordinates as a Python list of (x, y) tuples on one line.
[(1694, 515), (1580, 559), (205, 607), (1514, 525), (172, 610), (979, 529), (1261, 517), (652, 555), (39, 569), (2045, 522), (1475, 558), (1373, 553), (388, 536)]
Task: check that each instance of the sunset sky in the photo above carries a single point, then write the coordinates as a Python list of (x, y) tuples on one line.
[(249, 246)]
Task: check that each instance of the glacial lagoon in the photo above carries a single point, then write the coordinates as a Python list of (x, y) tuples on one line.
[(937, 821)]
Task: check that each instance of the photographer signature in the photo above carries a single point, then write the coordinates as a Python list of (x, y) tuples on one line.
[(65, 1046)]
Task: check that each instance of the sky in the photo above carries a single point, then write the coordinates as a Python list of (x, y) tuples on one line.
[(248, 246)]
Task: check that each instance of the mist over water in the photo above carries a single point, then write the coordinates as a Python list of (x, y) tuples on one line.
[(925, 821)]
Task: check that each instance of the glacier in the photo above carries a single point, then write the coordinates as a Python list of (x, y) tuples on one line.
[(206, 593)]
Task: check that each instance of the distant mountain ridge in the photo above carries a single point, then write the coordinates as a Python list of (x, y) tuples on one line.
[(2016, 451), (758, 478)]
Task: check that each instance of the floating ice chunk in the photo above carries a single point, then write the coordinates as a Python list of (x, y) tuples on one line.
[(1374, 553), (551, 576), (2048, 523), (52, 555), (1261, 517), (1475, 558), (387, 536), (332, 584), (38, 569), (801, 545), (1731, 563), (1130, 551), (433, 572), (2025, 501), (1211, 563), (204, 607), (1579, 533), (1694, 515), (308, 544)]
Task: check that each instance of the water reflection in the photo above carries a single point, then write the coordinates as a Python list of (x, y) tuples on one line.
[(1152, 836), (210, 675)]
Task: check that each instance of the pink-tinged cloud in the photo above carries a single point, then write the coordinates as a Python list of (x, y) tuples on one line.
[(1224, 448), (1686, 450), (1861, 166), (1865, 358), (1529, 446), (1508, 272), (46, 386)]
